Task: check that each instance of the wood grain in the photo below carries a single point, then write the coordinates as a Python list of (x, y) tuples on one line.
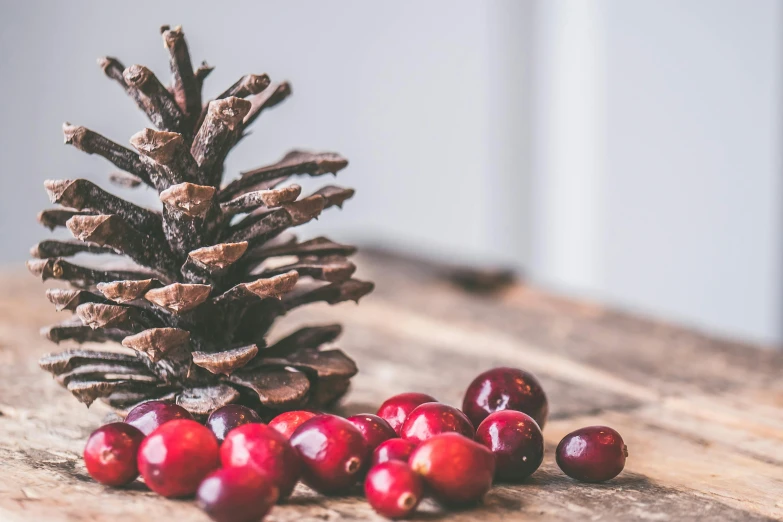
[(702, 417)]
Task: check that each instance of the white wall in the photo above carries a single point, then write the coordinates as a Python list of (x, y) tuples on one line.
[(626, 150), (657, 154), (569, 145)]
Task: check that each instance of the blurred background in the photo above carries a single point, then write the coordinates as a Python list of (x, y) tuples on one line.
[(624, 151)]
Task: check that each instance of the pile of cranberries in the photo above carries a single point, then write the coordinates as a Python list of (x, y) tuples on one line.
[(238, 467)]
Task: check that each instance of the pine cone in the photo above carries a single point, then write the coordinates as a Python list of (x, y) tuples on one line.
[(214, 266)]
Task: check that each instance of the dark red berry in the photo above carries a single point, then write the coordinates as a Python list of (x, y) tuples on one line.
[(110, 454), (393, 489), (236, 495), (396, 409), (592, 454), (265, 449), (374, 429), (225, 419), (148, 416), (286, 423), (175, 458), (457, 470), (516, 441), (434, 418), (392, 449), (505, 389), (333, 452)]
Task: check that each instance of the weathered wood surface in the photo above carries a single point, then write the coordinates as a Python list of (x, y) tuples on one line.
[(702, 418)]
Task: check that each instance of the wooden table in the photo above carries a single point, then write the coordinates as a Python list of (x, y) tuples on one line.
[(702, 418)]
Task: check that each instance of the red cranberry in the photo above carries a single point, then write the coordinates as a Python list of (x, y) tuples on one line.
[(396, 409), (176, 457), (333, 452), (225, 419), (110, 454), (374, 429), (505, 389), (433, 418), (393, 489), (592, 454), (516, 441), (457, 470), (265, 449), (286, 423), (147, 416), (236, 495), (392, 449)]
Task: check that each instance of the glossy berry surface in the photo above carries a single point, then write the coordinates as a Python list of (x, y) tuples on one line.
[(516, 441), (236, 495), (592, 454), (333, 453), (374, 429), (397, 408), (457, 470), (434, 418), (150, 415), (266, 450), (110, 454), (225, 419), (286, 423), (175, 458), (505, 389), (392, 449), (393, 489)]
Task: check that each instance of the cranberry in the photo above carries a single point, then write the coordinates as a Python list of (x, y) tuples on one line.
[(265, 449), (396, 409), (374, 429), (176, 457), (505, 389), (592, 454), (457, 470), (516, 441), (333, 452), (433, 418), (392, 449), (393, 489), (236, 495), (286, 423), (147, 416), (225, 419), (110, 454)]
